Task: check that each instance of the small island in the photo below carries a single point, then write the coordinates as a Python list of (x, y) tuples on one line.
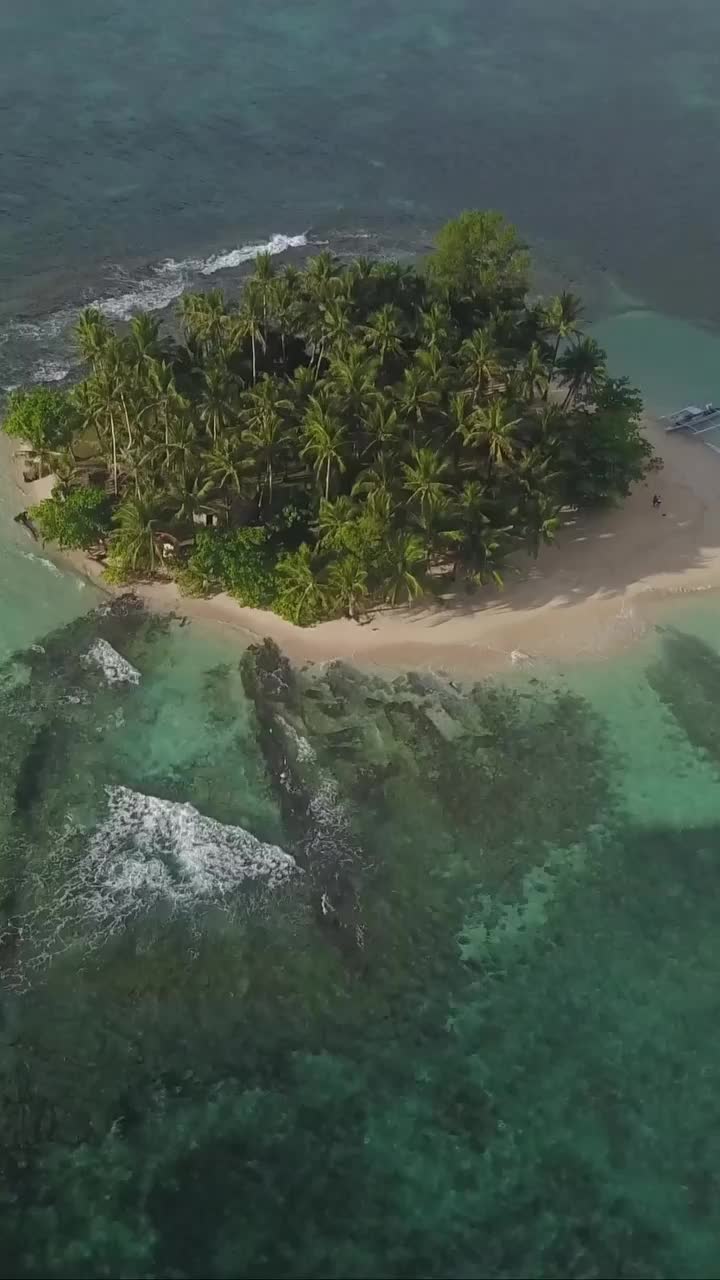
[(344, 435)]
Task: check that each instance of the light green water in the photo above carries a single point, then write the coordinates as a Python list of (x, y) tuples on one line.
[(426, 975)]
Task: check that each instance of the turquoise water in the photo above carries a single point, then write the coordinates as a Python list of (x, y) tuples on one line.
[(322, 974), (327, 974)]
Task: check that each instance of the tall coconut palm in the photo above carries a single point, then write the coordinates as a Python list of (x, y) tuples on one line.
[(284, 305), (251, 324), (382, 427), (136, 521), (534, 376), (263, 284), (425, 477), (266, 439), (416, 396), (381, 479), (492, 429), (228, 468), (541, 515), (582, 369), (561, 322), (351, 379), (97, 400), (383, 332), (92, 334), (333, 520), (325, 442), (165, 402), (333, 328), (347, 581), (436, 328), (481, 363), (302, 597), (404, 560), (216, 407), (143, 343)]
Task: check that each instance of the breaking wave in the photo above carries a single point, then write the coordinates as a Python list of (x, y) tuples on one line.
[(115, 668), (147, 854), (162, 285)]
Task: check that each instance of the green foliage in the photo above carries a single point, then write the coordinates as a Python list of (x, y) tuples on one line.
[(41, 416), (480, 253), (301, 598), (75, 520), (349, 427), (241, 561)]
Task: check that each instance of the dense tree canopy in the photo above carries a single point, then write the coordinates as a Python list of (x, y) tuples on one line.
[(345, 429)]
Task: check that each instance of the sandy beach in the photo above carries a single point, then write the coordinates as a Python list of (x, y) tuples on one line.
[(592, 594)]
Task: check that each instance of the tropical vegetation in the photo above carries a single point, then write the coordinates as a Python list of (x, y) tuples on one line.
[(342, 434)]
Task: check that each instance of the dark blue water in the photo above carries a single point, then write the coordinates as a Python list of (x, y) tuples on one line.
[(133, 133)]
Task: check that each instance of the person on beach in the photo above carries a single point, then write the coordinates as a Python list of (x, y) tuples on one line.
[(656, 500)]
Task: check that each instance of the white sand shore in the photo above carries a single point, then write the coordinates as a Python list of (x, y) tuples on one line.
[(591, 595)]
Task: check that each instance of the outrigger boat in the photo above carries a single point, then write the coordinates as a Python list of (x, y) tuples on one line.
[(693, 419)]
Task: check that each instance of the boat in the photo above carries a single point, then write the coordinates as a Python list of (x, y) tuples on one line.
[(693, 418)]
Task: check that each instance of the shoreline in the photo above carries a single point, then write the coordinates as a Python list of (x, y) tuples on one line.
[(592, 595)]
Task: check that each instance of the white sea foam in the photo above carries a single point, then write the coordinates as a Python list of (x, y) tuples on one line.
[(163, 285), (50, 371), (115, 668), (147, 854), (150, 849), (146, 295), (236, 257)]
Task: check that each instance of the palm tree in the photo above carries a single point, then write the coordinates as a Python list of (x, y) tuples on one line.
[(205, 321), (583, 369), (379, 479), (333, 520), (534, 379), (215, 400), (333, 328), (382, 426), (430, 520), (251, 324), (181, 446), (480, 362), (480, 543), (348, 582), (383, 332), (301, 595), (404, 557), (263, 283), (227, 466), (92, 333), (351, 380), (320, 271), (325, 441), (423, 477), (283, 303), (166, 400), (542, 521), (436, 327), (143, 341), (561, 322), (266, 439), (492, 428), (416, 395), (190, 499), (136, 521), (97, 402)]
